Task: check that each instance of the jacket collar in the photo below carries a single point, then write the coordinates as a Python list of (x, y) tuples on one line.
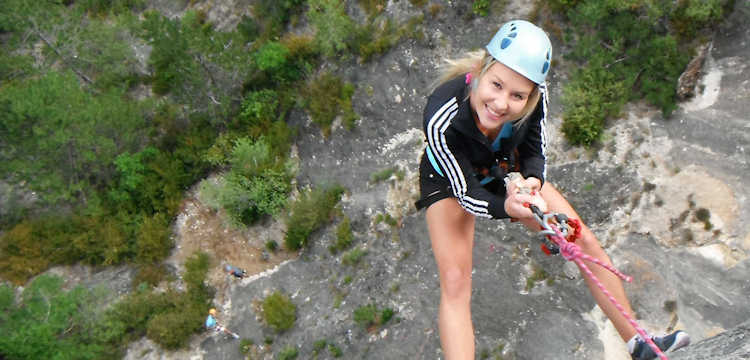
[(464, 120)]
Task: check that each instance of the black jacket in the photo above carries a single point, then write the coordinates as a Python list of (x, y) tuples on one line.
[(464, 155)]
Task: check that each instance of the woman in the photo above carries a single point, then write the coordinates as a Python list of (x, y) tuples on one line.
[(486, 118)]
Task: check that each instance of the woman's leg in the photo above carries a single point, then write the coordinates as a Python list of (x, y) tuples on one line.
[(452, 235), (590, 246)]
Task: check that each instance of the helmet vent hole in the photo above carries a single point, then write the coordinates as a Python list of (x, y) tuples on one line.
[(505, 43), (545, 67), (512, 35)]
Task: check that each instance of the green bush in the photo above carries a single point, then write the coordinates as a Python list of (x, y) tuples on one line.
[(259, 111), (375, 38), (312, 210), (333, 26), (48, 322), (626, 52), (172, 330), (288, 353), (353, 257), (196, 268), (481, 7), (328, 97), (344, 236), (279, 312), (276, 14), (373, 8), (369, 316), (273, 58), (153, 243), (257, 183), (170, 52)]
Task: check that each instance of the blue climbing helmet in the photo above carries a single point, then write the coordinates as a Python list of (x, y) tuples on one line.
[(523, 47)]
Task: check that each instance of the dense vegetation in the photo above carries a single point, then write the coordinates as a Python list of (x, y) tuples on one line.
[(110, 110), (627, 50)]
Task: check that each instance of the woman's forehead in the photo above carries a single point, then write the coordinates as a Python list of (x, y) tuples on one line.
[(498, 71)]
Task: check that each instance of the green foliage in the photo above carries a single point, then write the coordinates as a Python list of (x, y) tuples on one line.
[(196, 268), (328, 97), (593, 95), (168, 318), (481, 7), (259, 110), (385, 174), (279, 312), (272, 245), (353, 256), (152, 242), (100, 7), (333, 26), (276, 14), (169, 57), (344, 236), (257, 183), (62, 154), (273, 59), (312, 210), (376, 38), (373, 7), (692, 16), (47, 322), (248, 28), (627, 54), (370, 317), (288, 353)]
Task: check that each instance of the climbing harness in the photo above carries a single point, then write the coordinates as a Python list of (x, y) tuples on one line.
[(559, 233)]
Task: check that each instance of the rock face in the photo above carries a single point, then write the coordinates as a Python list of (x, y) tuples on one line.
[(733, 344), (666, 197)]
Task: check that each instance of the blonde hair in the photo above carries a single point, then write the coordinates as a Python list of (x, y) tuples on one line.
[(477, 63)]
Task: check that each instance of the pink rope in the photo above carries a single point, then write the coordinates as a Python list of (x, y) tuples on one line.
[(572, 252)]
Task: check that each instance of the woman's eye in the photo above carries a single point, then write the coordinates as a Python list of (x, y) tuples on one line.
[(518, 97), (497, 85)]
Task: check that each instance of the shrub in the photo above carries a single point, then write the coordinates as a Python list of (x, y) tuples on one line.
[(273, 59), (626, 53), (272, 245), (259, 110), (279, 312), (196, 268), (309, 212), (153, 242), (481, 7), (333, 26), (353, 257), (344, 236), (288, 353), (369, 317), (172, 330), (328, 96)]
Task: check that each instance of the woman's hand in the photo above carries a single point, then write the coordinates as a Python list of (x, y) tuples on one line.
[(521, 192)]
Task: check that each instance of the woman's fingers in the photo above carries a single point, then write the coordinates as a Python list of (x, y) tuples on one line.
[(516, 205)]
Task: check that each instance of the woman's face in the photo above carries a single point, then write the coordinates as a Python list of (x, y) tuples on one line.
[(499, 97)]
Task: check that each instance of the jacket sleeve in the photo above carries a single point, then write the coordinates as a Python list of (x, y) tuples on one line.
[(532, 151), (444, 143)]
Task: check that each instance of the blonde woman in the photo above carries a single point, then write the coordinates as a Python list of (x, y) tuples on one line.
[(485, 118)]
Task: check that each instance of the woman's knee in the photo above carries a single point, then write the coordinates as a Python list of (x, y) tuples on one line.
[(455, 283)]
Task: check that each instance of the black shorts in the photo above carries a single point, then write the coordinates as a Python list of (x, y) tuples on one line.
[(433, 187)]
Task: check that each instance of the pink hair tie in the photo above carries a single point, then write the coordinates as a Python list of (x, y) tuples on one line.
[(468, 78)]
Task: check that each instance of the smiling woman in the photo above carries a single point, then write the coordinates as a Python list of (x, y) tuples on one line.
[(484, 120)]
